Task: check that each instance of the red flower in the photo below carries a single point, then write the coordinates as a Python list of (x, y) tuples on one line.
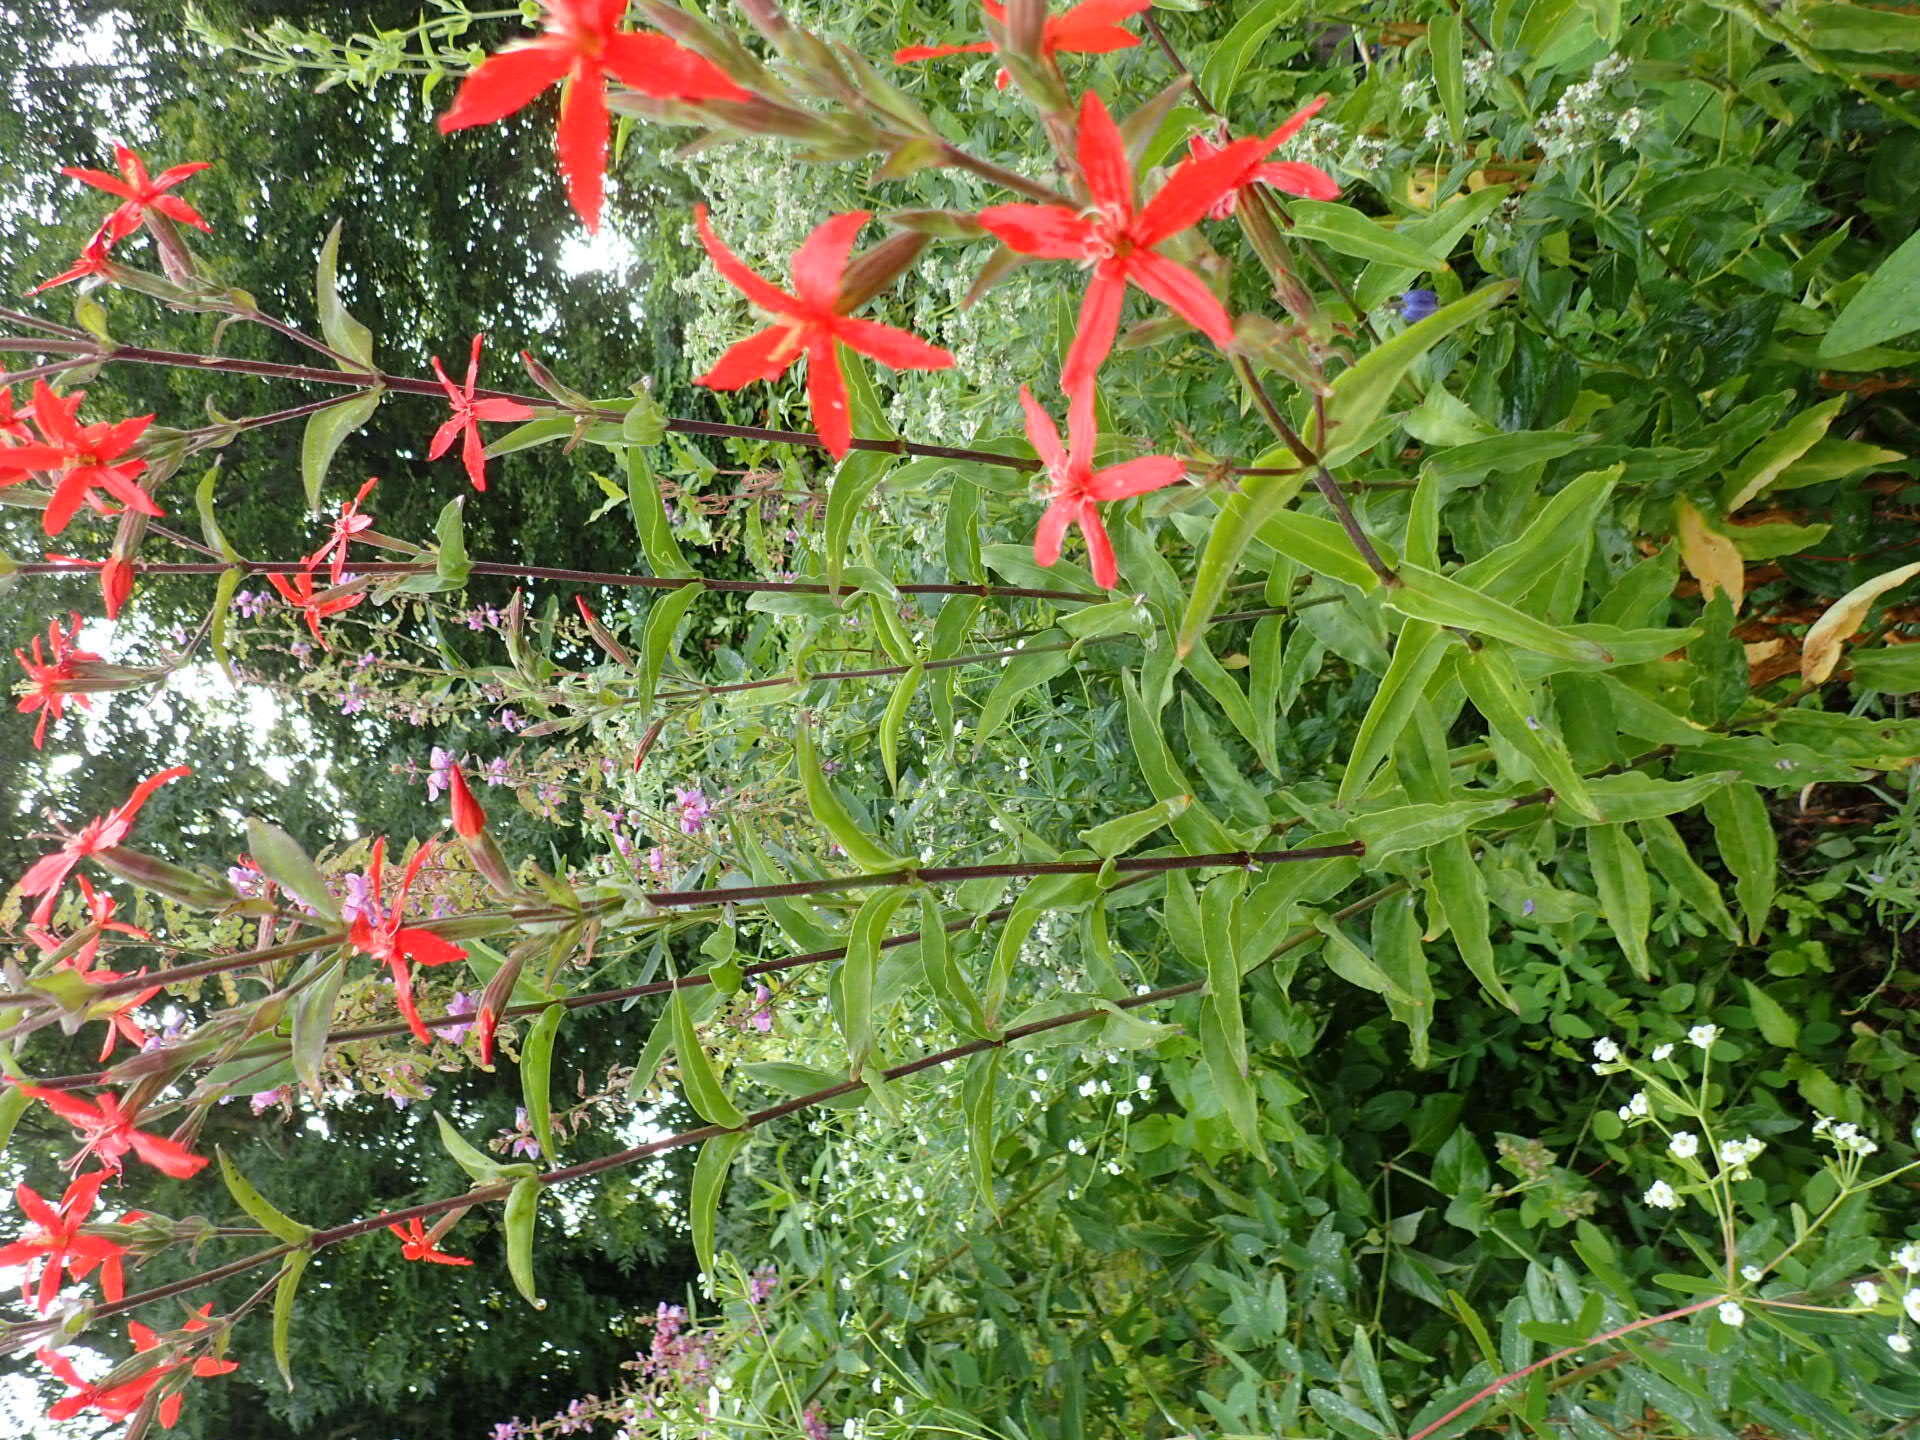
[(391, 943), (47, 874), (110, 1134), (202, 1366), (810, 323), (298, 591), (58, 1239), (416, 1245), (93, 261), (581, 45), (139, 194), (115, 1402), (1089, 28), (100, 908), (80, 456), (47, 676), (469, 820), (116, 584), (1077, 486), (467, 415), (1294, 177), (1119, 240), (13, 423), (349, 524)]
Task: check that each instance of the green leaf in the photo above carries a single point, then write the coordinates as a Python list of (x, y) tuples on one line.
[(1416, 654), (281, 860), (1889, 303), (1321, 546), (895, 720), (1354, 965), (976, 1100), (481, 1167), (1449, 78), (523, 1204), (1620, 877), (1633, 796), (1344, 229), (312, 1018), (950, 989), (1022, 673), (271, 1219), (1463, 901), (1230, 1083), (853, 482), (650, 517), (1743, 832), (1198, 831), (223, 593), (337, 327), (210, 529), (858, 971), (1220, 75), (1259, 499), (1415, 827), (1866, 28), (13, 1104), (1494, 687), (1220, 933), (663, 618), (704, 1090), (1553, 537), (450, 561), (325, 431), (1692, 884), (1777, 1026), (1424, 595), (1771, 458), (709, 1185), (1121, 834), (536, 1075), (799, 1080), (833, 815), (284, 1290)]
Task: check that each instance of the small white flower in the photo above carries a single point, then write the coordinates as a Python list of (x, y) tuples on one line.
[(1661, 1052), (1732, 1314), (1660, 1193), (1143, 1083), (1703, 1036), (1907, 1257), (1822, 1123), (1899, 1343), (1865, 1292), (1606, 1050), (1124, 1108), (1911, 1301), (1638, 1104), (1751, 1274), (1684, 1145)]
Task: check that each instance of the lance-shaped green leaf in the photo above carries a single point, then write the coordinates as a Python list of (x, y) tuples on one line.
[(793, 1079), (709, 1184), (1220, 933), (1022, 673), (1425, 595), (1320, 545), (536, 1075), (1693, 885), (522, 1210), (1889, 303), (1119, 835), (1449, 70), (1416, 654), (1415, 827), (1463, 902), (1492, 685), (704, 1090), (210, 530), (1769, 459), (282, 861), (1620, 877), (325, 431), (1743, 832), (1346, 958), (337, 327), (663, 618), (976, 1101), (1549, 539), (1259, 499), (284, 1290), (223, 593), (270, 1218), (312, 1018), (950, 989), (450, 562), (1199, 832), (481, 1167), (857, 973), (895, 720), (1230, 1083), (13, 1104), (853, 482), (1633, 796), (834, 816), (1047, 893), (1344, 229), (650, 517), (1398, 952)]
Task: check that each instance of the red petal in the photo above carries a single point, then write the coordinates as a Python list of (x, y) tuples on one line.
[(1135, 477), (442, 440), (505, 83), (582, 143), (501, 410), (423, 947), (1183, 292), (758, 357), (1053, 232), (666, 70), (174, 174), (144, 791), (736, 273), (911, 53), (1099, 548), (174, 208), (1292, 124), (1045, 440), (1195, 188), (1052, 530), (1298, 178), (822, 259), (473, 453), (1103, 156), (165, 1155), (1093, 338), (897, 348), (827, 393)]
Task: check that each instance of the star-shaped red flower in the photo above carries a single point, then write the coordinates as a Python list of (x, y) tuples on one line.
[(57, 1240), (1293, 176), (415, 1244), (581, 44), (348, 524), (110, 1132), (316, 605), (48, 874), (114, 1402), (809, 322), (396, 945), (1090, 28), (78, 459), (1078, 487), (140, 193), (50, 674), (1119, 240), (93, 260), (467, 415)]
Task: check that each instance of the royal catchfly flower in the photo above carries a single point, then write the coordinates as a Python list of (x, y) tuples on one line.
[(1293, 176), (57, 1241), (467, 415), (398, 946), (140, 193), (77, 459), (809, 322), (415, 1244), (49, 674), (1077, 487), (580, 44), (110, 1134), (1119, 240), (349, 523), (316, 605), (93, 260), (47, 874), (1089, 28)]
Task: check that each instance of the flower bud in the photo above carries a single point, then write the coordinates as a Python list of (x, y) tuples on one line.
[(469, 819), (149, 872), (874, 270), (602, 636), (498, 992)]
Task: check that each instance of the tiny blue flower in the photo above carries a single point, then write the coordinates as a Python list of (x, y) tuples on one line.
[(1417, 305)]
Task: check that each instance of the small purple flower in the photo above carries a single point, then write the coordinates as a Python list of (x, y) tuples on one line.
[(572, 1419), (357, 903), (251, 604), (694, 809), (523, 1143), (510, 721), (1527, 907), (439, 765), (1417, 305), (355, 702), (657, 863), (247, 879), (264, 1100), (812, 1421), (1532, 723), (495, 771), (301, 650), (461, 1004), (763, 1017), (762, 1283), (508, 1429), (363, 662)]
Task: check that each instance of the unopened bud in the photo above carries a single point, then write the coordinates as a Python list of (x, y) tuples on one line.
[(149, 872), (469, 819), (872, 271), (602, 636)]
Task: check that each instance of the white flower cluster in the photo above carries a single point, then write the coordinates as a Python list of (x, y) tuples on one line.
[(1582, 118), (1736, 1155), (1845, 1135)]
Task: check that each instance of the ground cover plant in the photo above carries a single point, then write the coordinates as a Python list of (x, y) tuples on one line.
[(1224, 750)]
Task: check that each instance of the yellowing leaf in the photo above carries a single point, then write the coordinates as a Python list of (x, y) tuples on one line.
[(1710, 557), (1820, 651)]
